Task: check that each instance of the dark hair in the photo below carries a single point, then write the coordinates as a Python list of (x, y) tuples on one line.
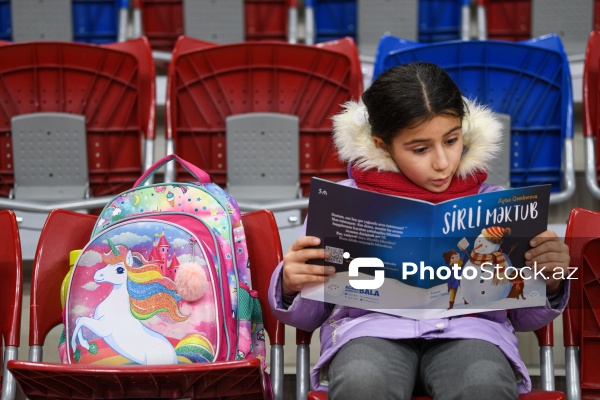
[(407, 95), (448, 255)]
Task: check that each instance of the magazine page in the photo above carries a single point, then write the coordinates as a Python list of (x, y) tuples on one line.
[(420, 260), (354, 224)]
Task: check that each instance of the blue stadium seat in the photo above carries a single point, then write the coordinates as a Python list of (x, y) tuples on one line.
[(92, 21), (440, 20), (437, 20), (528, 80)]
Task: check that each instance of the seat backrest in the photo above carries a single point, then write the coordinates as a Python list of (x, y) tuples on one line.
[(63, 232), (376, 17), (11, 284), (591, 106), (367, 20), (508, 19), (580, 319), (439, 20), (207, 83), (334, 19), (572, 21), (254, 173), (164, 21), (60, 172), (267, 20), (5, 21), (69, 20), (219, 22), (11, 292), (530, 81), (38, 20), (264, 252), (589, 293), (516, 20), (112, 86)]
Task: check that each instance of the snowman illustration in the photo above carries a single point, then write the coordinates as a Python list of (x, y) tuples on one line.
[(486, 254)]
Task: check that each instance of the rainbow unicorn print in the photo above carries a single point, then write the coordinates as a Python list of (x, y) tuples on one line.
[(139, 317)]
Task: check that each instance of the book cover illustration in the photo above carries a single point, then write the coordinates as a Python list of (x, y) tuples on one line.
[(421, 260)]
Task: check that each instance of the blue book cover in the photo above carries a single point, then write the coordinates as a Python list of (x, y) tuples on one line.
[(421, 260)]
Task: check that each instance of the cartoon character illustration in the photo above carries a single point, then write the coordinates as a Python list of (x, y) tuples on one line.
[(171, 198), (138, 294), (334, 289), (518, 286), (485, 256), (452, 257)]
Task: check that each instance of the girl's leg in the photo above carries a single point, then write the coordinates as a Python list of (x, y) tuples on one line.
[(372, 368), (466, 369)]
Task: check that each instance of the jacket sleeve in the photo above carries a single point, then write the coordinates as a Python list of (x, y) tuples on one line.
[(532, 318), (303, 313)]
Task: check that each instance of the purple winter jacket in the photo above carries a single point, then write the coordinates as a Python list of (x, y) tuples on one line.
[(341, 324)]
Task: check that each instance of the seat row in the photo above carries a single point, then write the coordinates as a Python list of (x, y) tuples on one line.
[(79, 121), (227, 21), (66, 230), (74, 110)]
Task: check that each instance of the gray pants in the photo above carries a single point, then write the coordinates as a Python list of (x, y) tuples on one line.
[(372, 368)]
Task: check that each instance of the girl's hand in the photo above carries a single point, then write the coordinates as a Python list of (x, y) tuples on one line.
[(552, 254), (296, 272)]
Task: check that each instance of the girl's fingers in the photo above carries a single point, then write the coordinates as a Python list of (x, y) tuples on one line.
[(302, 256), (304, 241), (295, 280), (309, 269), (554, 246), (549, 257), (296, 272), (543, 237), (320, 270)]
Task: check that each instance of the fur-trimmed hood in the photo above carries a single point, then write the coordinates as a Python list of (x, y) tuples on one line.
[(482, 140)]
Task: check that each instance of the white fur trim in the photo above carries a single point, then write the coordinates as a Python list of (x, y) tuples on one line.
[(482, 138), (354, 142)]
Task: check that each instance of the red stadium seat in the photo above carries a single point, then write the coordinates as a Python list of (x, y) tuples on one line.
[(208, 82), (163, 20), (580, 320), (11, 291), (507, 19), (112, 86), (591, 105), (246, 379)]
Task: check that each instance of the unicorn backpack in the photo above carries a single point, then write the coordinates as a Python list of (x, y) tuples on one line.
[(164, 279)]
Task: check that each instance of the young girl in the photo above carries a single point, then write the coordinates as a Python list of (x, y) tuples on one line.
[(414, 135)]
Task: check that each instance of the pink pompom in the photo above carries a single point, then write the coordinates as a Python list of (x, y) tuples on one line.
[(191, 281)]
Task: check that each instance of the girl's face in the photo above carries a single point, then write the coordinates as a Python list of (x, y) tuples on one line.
[(428, 154)]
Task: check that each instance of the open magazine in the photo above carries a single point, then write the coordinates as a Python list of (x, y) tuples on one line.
[(421, 260)]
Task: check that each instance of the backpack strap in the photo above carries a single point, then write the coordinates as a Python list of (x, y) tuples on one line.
[(196, 172)]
